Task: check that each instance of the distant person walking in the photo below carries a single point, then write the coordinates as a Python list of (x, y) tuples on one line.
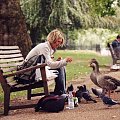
[(116, 45)]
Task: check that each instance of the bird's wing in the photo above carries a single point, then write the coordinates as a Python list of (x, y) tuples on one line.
[(97, 92), (112, 79), (106, 82), (107, 100)]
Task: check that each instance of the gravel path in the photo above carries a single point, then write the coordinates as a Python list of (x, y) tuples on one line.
[(85, 111)]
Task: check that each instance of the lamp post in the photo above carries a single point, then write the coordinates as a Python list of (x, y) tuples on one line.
[(67, 26)]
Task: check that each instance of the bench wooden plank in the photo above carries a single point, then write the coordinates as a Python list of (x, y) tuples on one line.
[(12, 64), (10, 56), (11, 60), (2, 52), (115, 59), (9, 70), (8, 47)]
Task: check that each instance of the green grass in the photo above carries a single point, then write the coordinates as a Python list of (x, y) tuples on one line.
[(77, 68), (79, 65)]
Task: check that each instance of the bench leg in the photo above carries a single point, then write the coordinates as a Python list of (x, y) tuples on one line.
[(46, 88), (29, 94), (114, 61), (6, 101)]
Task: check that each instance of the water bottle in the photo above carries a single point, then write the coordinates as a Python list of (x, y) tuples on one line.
[(75, 99), (70, 100)]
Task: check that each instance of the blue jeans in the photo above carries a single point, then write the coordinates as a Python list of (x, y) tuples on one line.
[(60, 82)]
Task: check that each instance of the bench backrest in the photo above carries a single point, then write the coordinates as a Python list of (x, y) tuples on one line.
[(115, 59), (113, 54), (10, 57)]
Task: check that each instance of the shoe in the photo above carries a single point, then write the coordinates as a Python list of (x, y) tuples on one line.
[(115, 67)]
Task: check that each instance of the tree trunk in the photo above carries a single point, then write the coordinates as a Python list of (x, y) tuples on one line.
[(13, 29)]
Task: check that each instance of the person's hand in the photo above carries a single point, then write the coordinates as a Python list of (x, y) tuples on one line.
[(68, 59), (59, 58), (52, 57)]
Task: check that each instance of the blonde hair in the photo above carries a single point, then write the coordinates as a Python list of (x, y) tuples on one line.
[(56, 34)]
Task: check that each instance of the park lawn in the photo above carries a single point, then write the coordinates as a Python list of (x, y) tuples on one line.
[(78, 67), (80, 64)]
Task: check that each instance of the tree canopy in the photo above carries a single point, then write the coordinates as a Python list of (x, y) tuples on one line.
[(44, 15)]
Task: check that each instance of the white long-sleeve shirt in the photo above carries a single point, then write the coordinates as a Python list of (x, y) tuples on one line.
[(47, 51)]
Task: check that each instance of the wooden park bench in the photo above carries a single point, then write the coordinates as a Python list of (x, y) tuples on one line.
[(10, 57), (115, 59)]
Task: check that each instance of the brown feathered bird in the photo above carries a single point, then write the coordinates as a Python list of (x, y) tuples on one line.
[(93, 76), (106, 82)]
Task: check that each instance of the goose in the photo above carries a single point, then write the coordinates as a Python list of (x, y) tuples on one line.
[(106, 82), (93, 76)]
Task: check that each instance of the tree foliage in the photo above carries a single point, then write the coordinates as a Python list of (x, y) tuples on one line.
[(102, 7), (13, 30), (44, 15), (59, 15)]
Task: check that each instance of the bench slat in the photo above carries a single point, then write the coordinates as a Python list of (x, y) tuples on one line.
[(10, 64), (9, 47), (9, 52), (11, 60), (9, 70), (113, 54), (10, 56)]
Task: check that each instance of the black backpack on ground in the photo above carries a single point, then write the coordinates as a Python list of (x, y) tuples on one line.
[(50, 103), (29, 77)]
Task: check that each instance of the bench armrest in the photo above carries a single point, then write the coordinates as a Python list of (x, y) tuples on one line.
[(26, 69)]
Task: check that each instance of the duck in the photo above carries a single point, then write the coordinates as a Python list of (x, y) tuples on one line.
[(93, 76), (106, 82)]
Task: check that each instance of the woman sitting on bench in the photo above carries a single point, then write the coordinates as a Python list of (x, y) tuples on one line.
[(55, 39)]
